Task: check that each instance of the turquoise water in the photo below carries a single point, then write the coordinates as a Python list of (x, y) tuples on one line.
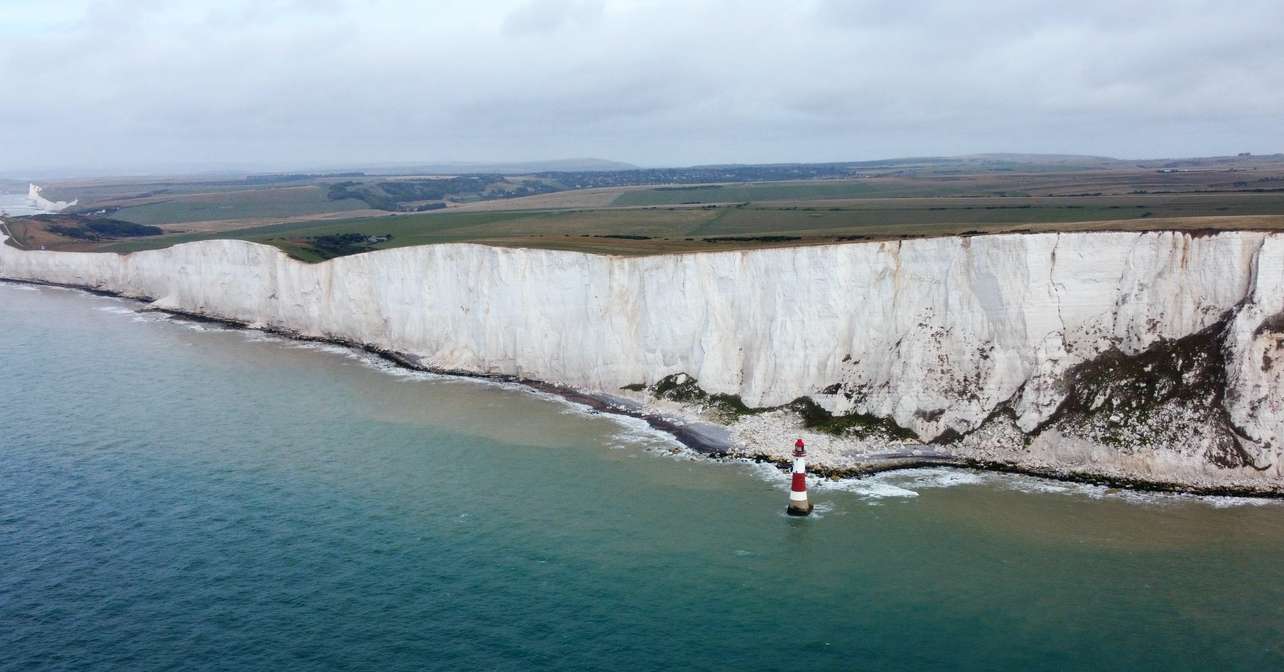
[(175, 496)]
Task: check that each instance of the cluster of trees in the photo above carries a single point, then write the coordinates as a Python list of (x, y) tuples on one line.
[(704, 175), (398, 194), (410, 195), (295, 177), (93, 228), (341, 244)]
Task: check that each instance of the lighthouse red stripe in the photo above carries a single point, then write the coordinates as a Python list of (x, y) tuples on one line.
[(800, 483)]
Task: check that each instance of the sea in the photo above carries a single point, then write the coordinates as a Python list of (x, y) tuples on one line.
[(184, 496), (17, 205)]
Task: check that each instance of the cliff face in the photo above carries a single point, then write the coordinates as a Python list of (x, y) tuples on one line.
[(1067, 336), (39, 202)]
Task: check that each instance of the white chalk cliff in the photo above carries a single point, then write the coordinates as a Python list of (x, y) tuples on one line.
[(39, 202), (940, 335)]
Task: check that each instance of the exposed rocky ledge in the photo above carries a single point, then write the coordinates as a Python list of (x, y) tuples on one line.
[(1146, 357)]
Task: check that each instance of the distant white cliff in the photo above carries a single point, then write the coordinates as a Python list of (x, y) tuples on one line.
[(1158, 356), (39, 202)]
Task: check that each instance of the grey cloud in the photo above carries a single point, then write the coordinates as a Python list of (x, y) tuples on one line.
[(287, 83), (546, 16)]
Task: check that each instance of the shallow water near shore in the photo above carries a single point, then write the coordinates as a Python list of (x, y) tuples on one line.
[(17, 205), (184, 496)]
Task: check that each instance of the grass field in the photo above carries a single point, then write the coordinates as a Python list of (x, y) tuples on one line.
[(540, 228), (1092, 184), (783, 191), (891, 216), (907, 199), (233, 205), (685, 229)]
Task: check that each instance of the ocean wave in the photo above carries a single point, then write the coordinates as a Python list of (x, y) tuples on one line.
[(868, 488), (932, 477), (908, 483), (764, 471), (1036, 485), (638, 432), (871, 488), (821, 509), (115, 310)]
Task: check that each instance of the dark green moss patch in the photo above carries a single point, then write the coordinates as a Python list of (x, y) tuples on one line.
[(679, 387), (1129, 401), (858, 425), (730, 407), (683, 388), (1131, 387)]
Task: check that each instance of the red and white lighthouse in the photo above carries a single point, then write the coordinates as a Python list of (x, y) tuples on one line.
[(798, 503)]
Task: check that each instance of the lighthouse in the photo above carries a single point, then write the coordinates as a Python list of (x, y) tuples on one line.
[(798, 503)]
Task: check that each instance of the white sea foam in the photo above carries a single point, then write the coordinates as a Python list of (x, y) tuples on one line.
[(638, 432), (204, 327), (1218, 502), (115, 310), (1033, 485), (765, 472), (822, 509), (890, 485), (908, 483), (1036, 485), (932, 477), (869, 488)]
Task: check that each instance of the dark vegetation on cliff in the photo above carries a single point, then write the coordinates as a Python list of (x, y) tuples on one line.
[(728, 408), (85, 228), (1169, 395), (341, 244)]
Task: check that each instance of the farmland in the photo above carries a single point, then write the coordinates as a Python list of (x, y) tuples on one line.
[(817, 190), (907, 199), (686, 229), (236, 205)]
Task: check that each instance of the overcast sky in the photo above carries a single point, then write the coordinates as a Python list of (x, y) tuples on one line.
[(127, 85)]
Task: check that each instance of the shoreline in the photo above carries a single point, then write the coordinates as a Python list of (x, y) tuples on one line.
[(703, 443)]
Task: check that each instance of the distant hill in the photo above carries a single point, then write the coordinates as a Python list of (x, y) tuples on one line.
[(1017, 157), (507, 168)]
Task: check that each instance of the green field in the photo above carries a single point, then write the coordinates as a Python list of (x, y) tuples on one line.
[(785, 191), (906, 216), (244, 204), (901, 199), (556, 229), (417, 229), (683, 229)]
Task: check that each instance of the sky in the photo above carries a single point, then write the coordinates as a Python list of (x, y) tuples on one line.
[(102, 86)]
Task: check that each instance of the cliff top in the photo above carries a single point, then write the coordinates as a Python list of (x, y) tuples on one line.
[(315, 217)]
